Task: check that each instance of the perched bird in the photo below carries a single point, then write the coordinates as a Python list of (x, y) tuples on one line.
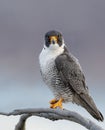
[(63, 74)]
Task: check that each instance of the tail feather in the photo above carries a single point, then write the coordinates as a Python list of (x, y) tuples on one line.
[(87, 102)]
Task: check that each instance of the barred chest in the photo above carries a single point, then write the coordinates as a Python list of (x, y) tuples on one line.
[(51, 76), (48, 68)]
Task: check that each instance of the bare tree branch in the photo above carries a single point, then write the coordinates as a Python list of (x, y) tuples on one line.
[(52, 114), (22, 121)]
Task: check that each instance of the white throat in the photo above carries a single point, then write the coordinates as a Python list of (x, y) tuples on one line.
[(50, 53)]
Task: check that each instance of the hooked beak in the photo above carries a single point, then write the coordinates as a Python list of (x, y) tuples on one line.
[(53, 39)]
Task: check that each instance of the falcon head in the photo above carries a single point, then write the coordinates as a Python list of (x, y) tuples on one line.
[(53, 40)]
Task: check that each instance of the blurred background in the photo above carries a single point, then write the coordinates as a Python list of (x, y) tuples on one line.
[(23, 24)]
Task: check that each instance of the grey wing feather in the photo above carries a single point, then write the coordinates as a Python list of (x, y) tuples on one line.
[(72, 76), (71, 72)]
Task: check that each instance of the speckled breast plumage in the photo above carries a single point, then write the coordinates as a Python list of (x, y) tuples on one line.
[(53, 80)]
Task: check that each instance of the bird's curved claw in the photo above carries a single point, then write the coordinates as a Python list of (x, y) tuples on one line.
[(56, 103)]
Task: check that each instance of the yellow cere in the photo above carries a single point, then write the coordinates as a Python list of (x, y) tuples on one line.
[(53, 38)]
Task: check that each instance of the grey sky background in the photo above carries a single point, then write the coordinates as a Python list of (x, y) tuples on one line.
[(23, 24)]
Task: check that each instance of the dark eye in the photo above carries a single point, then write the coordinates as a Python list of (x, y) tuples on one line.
[(59, 36)]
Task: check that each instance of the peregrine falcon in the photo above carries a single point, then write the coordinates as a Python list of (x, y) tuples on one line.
[(63, 74)]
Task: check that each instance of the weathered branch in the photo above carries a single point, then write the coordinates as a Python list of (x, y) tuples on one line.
[(52, 114), (22, 121)]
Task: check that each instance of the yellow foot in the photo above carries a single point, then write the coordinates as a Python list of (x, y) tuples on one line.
[(56, 103)]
